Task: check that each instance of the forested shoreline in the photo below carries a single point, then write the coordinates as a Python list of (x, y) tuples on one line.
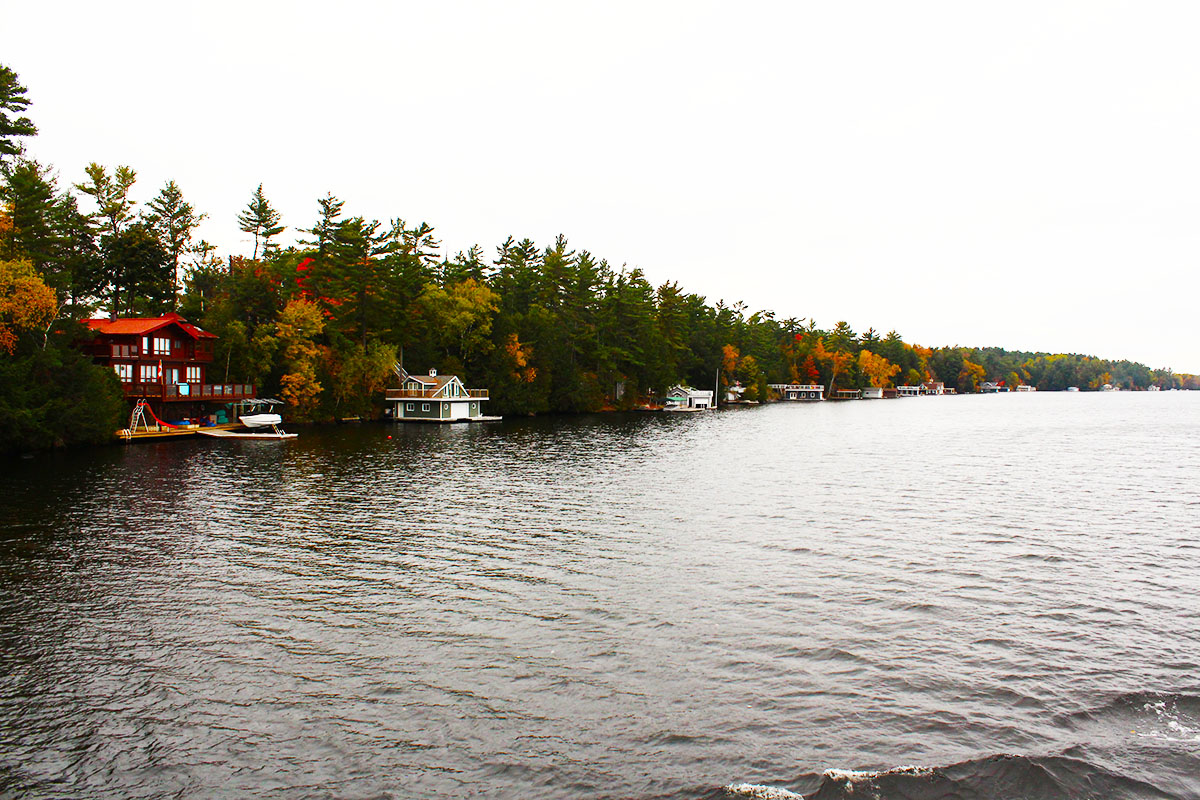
[(320, 322)]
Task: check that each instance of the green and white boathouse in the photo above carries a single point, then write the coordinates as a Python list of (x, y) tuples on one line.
[(435, 398)]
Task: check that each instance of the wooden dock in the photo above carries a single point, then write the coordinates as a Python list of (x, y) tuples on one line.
[(221, 433), (168, 432)]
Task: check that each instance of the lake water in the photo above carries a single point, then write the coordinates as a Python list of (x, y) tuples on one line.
[(1004, 590)]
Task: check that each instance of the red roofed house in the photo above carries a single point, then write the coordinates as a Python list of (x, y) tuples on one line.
[(164, 360)]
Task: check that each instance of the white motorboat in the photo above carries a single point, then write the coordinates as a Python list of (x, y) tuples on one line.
[(261, 420), (262, 426)]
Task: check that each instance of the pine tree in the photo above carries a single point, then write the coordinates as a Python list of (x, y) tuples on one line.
[(327, 223), (12, 102), (261, 221), (114, 209), (173, 219)]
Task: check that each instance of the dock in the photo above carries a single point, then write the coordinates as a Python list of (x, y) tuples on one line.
[(222, 433)]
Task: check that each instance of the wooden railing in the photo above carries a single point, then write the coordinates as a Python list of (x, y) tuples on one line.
[(426, 394), (191, 391)]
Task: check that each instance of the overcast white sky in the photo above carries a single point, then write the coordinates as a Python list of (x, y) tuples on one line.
[(1025, 175)]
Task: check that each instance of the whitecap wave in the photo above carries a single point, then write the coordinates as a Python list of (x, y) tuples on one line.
[(758, 792)]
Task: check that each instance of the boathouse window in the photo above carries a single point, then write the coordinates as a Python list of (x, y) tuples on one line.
[(124, 372), (408, 406), (162, 346), (149, 372), (424, 406), (193, 374)]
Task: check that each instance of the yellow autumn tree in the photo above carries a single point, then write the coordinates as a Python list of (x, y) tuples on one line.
[(299, 324), (878, 369), (26, 303)]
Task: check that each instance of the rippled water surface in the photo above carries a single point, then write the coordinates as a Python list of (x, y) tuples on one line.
[(615, 606)]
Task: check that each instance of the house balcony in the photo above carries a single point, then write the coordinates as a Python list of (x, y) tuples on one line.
[(184, 392), (133, 352), (427, 394)]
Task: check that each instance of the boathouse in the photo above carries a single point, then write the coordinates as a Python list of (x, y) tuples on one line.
[(680, 397), (163, 360), (799, 391), (435, 398)]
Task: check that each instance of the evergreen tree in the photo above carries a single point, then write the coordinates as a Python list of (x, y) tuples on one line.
[(49, 230), (173, 219), (114, 209), (324, 231), (137, 270), (261, 221), (12, 102)]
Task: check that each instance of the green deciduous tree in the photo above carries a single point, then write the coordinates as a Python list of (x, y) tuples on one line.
[(460, 318)]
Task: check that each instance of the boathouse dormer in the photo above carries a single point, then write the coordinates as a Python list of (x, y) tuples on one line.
[(163, 359)]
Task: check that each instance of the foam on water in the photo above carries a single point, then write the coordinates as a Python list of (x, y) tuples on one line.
[(757, 792)]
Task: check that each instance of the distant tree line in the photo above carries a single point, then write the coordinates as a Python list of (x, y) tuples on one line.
[(321, 323)]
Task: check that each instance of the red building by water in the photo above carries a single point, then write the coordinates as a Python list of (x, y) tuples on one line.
[(165, 360)]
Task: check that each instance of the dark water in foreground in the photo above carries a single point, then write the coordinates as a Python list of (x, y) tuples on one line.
[(611, 606)]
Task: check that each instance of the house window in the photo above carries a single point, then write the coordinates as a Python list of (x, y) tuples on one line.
[(149, 373), (124, 372), (424, 406), (145, 344), (162, 346), (409, 406), (193, 375)]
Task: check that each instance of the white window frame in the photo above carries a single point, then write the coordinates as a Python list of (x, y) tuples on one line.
[(193, 375), (162, 346), (424, 406), (409, 406), (124, 372), (149, 373)]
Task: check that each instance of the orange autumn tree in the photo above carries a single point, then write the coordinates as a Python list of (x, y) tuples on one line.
[(838, 362), (970, 376), (729, 359)]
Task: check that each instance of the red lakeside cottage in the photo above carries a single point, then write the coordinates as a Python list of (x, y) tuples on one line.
[(165, 360)]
